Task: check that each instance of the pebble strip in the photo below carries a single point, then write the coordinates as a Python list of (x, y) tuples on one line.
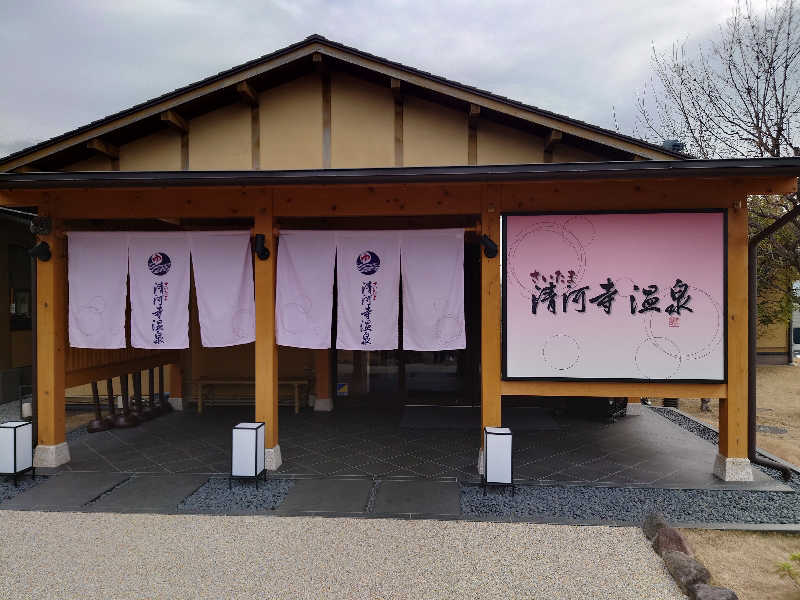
[(10, 411), (215, 497), (631, 505), (199, 556), (25, 482)]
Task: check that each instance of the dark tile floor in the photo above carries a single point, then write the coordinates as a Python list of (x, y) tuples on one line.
[(636, 450)]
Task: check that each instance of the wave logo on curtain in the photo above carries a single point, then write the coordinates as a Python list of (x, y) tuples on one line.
[(159, 264), (368, 263)]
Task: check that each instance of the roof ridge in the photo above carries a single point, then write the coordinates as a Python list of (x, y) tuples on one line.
[(320, 39)]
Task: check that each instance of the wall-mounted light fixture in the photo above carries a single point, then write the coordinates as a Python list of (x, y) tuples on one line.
[(41, 251), (41, 225), (489, 247), (260, 246)]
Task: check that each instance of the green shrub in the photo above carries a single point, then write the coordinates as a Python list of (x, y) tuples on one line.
[(791, 569)]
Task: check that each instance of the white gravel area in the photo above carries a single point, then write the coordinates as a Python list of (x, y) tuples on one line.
[(110, 556)]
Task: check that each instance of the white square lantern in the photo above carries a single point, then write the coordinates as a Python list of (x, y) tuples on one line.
[(16, 448), (247, 456), (497, 455)]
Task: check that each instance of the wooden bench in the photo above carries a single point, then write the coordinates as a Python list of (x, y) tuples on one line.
[(296, 384)]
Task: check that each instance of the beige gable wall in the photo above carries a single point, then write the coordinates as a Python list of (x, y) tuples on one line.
[(221, 140), (501, 145), (565, 153), (433, 135), (290, 121), (94, 163), (362, 124), (160, 151)]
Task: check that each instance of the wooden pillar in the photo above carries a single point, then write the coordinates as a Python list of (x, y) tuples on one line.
[(266, 367), (322, 372), (175, 378), (491, 312), (733, 409), (51, 288)]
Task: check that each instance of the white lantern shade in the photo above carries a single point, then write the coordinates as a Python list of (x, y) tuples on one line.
[(497, 454), (16, 447), (247, 456)]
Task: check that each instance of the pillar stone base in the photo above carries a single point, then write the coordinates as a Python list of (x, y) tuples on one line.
[(272, 458), (51, 456), (480, 462), (323, 405), (176, 402), (733, 469)]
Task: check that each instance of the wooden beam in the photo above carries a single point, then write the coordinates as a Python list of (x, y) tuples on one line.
[(733, 408), (637, 195), (378, 200), (393, 198), (326, 119), (399, 110), (266, 351), (613, 389), (246, 93), (472, 134), (473, 114), (51, 342), (104, 148), (491, 312), (185, 151), (396, 86), (149, 203), (117, 368), (553, 137), (174, 120), (319, 63)]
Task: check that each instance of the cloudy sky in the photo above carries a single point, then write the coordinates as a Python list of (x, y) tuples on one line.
[(67, 63)]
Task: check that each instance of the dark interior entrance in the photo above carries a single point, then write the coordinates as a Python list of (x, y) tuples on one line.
[(396, 377)]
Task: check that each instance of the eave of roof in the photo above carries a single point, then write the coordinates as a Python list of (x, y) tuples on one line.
[(318, 43), (757, 167)]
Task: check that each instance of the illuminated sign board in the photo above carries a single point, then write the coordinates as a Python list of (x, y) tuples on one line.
[(633, 296)]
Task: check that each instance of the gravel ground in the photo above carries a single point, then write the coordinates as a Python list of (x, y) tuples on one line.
[(631, 505), (214, 496), (10, 411), (181, 556)]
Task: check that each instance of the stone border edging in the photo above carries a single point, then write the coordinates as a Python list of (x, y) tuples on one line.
[(689, 573)]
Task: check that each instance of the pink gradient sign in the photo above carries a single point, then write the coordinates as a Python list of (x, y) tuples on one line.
[(618, 296)]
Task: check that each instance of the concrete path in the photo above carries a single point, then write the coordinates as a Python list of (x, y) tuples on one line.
[(105, 555)]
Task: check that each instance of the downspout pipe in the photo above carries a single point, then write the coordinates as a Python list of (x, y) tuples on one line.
[(752, 338)]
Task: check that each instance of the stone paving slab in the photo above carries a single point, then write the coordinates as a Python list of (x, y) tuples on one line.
[(418, 497), (340, 496), (66, 491), (149, 493)]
